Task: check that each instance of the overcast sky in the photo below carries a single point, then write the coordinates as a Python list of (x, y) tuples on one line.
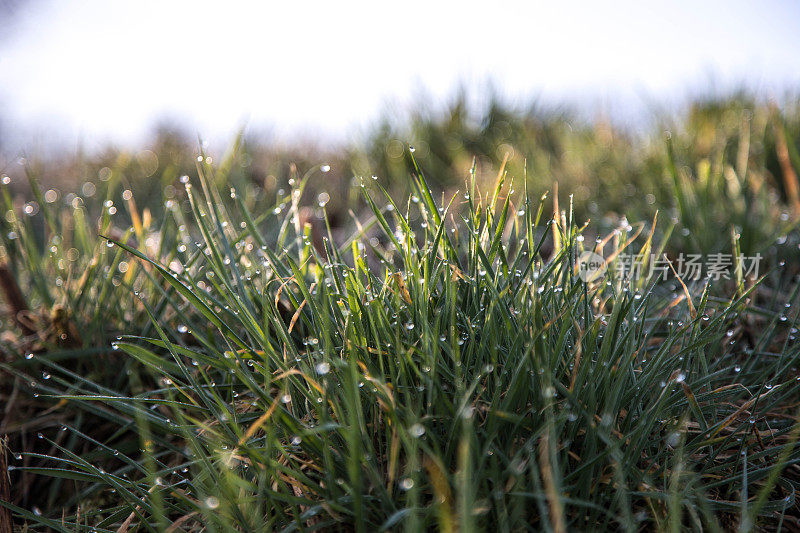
[(92, 70)]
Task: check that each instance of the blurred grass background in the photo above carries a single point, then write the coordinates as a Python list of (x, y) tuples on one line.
[(733, 159)]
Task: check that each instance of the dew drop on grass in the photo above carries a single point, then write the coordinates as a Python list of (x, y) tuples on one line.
[(182, 329), (737, 369), (417, 430), (295, 441), (28, 356), (673, 439), (323, 368), (407, 483), (286, 398), (212, 502)]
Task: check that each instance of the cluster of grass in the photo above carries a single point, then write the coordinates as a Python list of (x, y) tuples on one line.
[(230, 360)]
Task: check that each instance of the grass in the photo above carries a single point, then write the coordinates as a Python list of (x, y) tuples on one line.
[(233, 362)]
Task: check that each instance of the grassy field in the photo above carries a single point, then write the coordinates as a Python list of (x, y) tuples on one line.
[(399, 335)]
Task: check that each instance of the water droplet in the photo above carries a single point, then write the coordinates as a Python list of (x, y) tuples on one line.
[(673, 439), (407, 483), (212, 502), (417, 430), (323, 368)]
